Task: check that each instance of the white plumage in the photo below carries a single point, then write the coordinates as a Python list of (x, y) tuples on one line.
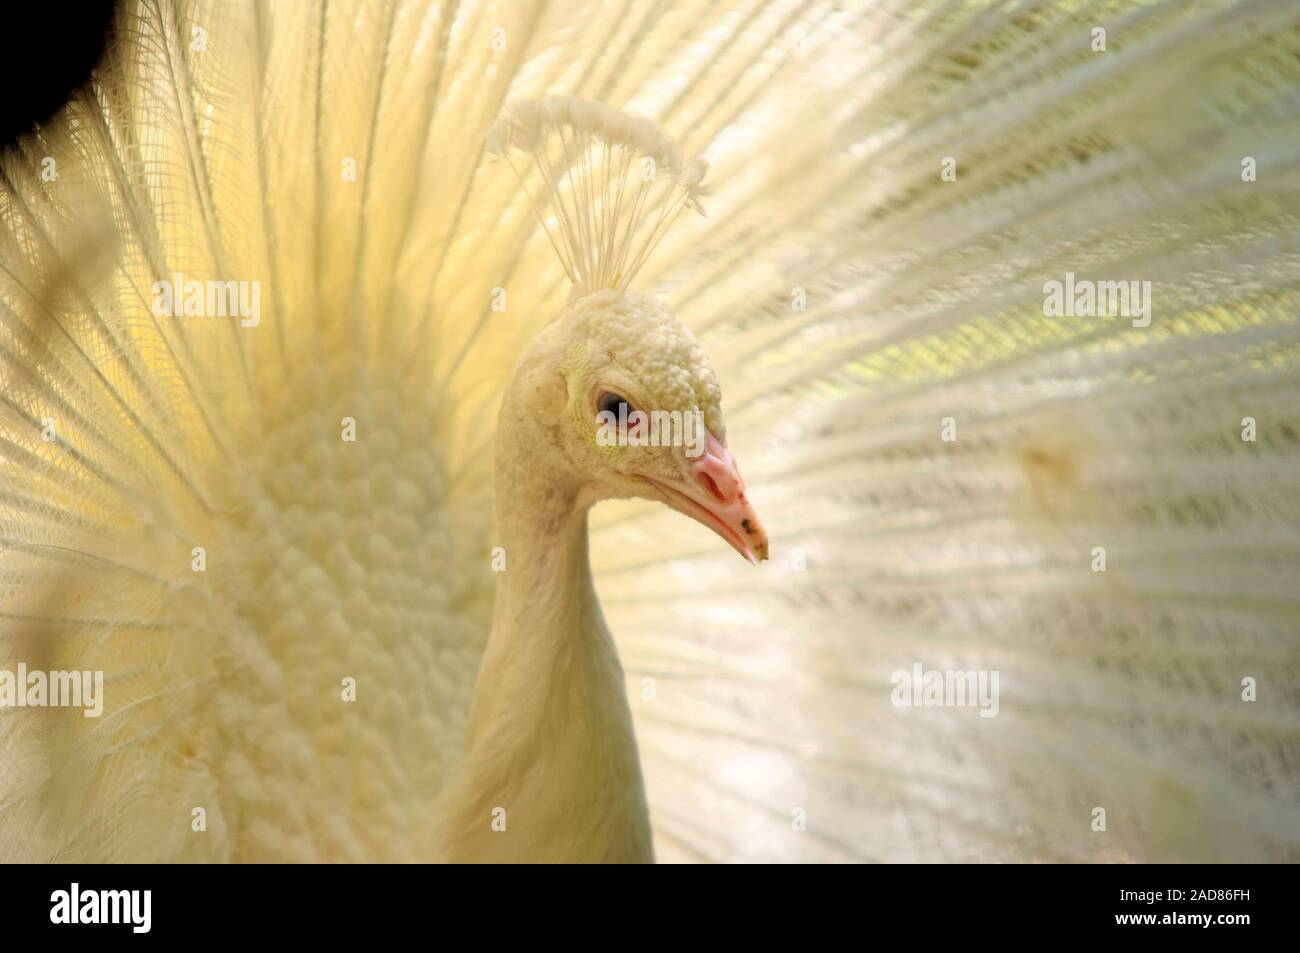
[(217, 141)]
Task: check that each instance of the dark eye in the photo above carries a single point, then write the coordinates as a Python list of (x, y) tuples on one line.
[(610, 401)]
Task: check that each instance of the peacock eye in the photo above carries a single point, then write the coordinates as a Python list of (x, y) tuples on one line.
[(609, 402)]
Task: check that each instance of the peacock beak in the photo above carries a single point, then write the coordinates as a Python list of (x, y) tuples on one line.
[(712, 493)]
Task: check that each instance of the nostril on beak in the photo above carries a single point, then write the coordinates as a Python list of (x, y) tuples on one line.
[(710, 486)]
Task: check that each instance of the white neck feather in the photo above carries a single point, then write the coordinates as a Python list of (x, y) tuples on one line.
[(550, 733)]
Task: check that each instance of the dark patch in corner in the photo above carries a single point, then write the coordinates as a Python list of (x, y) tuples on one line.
[(60, 43)]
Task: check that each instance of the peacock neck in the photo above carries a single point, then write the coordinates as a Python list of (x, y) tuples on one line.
[(546, 621), (551, 742)]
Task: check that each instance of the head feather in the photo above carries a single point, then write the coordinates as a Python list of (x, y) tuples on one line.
[(611, 183)]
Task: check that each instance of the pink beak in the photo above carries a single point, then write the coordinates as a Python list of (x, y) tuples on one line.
[(714, 494)]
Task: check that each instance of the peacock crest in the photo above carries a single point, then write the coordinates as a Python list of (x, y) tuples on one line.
[(606, 185)]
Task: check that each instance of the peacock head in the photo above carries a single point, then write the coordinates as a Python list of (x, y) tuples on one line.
[(645, 412), (640, 405)]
